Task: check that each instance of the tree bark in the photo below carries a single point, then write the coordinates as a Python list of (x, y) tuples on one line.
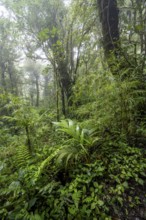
[(109, 17)]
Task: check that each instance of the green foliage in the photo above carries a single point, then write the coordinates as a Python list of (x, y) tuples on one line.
[(78, 141), (72, 172), (109, 103), (74, 146), (93, 165), (97, 188), (23, 156), (92, 191), (46, 162)]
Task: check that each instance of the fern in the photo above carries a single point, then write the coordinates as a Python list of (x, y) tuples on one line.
[(23, 155), (76, 196), (46, 162)]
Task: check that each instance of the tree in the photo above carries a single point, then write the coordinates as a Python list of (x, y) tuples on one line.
[(109, 16), (33, 71), (119, 57), (60, 33), (8, 56), (48, 34)]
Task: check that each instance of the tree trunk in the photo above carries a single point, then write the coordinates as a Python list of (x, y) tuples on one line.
[(38, 92), (63, 102), (11, 77), (3, 81), (109, 17), (65, 79), (64, 76)]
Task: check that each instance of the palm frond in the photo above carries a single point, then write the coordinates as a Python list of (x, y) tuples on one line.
[(78, 142)]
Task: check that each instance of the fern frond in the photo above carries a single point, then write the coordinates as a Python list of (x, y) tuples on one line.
[(23, 155), (46, 162), (76, 196)]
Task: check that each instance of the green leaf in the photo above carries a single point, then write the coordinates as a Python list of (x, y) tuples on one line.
[(32, 202), (125, 184), (93, 205), (140, 181), (95, 184), (100, 202), (72, 210)]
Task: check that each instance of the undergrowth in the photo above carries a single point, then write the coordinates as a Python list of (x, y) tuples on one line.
[(89, 168)]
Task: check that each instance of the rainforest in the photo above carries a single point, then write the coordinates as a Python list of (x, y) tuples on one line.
[(72, 110)]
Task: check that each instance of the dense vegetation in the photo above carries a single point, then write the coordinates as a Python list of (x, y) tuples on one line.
[(72, 110)]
